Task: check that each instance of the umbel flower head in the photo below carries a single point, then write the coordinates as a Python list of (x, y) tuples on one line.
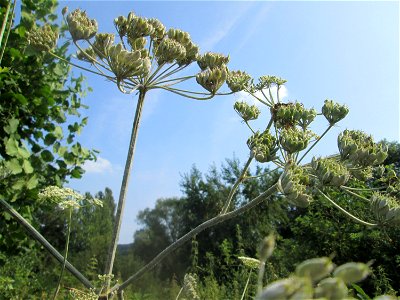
[(291, 114), (238, 81), (263, 146), (102, 44), (212, 79), (334, 112), (360, 149), (212, 60), (294, 140), (386, 208), (43, 38), (169, 51), (268, 81), (293, 184), (183, 38), (330, 171), (139, 27), (245, 111), (80, 26)]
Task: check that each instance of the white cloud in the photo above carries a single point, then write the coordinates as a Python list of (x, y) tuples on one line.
[(243, 96), (101, 165)]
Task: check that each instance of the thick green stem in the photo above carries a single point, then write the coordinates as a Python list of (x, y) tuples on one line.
[(65, 255), (124, 184), (188, 236), (236, 185), (37, 236), (6, 26)]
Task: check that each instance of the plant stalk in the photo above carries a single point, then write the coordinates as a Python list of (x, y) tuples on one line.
[(207, 224), (37, 236), (124, 184)]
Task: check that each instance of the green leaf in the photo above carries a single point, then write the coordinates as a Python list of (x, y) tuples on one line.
[(12, 146), (23, 152), (21, 99), (14, 166), (77, 172), (27, 167), (12, 126), (32, 182), (18, 184), (49, 139), (47, 156), (58, 132)]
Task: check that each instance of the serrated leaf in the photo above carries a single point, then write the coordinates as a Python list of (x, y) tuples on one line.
[(12, 126), (27, 167), (32, 182), (23, 152), (12, 146), (14, 166), (18, 184)]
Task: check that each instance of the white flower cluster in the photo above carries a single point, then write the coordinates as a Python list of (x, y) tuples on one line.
[(65, 198), (250, 262)]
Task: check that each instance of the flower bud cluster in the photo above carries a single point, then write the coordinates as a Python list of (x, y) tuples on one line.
[(291, 114), (87, 54), (334, 112), (268, 81), (125, 64), (122, 24), (294, 183), (386, 208), (138, 27), (317, 278), (80, 26), (263, 146), (211, 60), (183, 38), (43, 38), (330, 171), (159, 29), (238, 81), (250, 262), (245, 111), (360, 149), (212, 79), (102, 44), (294, 140)]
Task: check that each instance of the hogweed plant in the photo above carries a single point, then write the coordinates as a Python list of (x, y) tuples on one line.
[(143, 56)]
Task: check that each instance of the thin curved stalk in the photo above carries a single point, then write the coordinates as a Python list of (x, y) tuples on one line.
[(124, 185), (65, 255), (316, 142), (188, 236), (248, 125), (37, 236), (180, 79), (236, 185), (185, 95), (353, 194), (246, 286), (154, 77), (261, 175), (346, 212)]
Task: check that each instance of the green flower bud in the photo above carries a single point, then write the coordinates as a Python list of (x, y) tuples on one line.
[(267, 81), (137, 43), (293, 140), (293, 184), (180, 36), (43, 38), (169, 51), (287, 114), (245, 111), (139, 27), (102, 44), (334, 112), (192, 51), (331, 288), (80, 26), (362, 174), (263, 146), (238, 81), (352, 272), (88, 55), (386, 208), (306, 117), (212, 79), (288, 288), (125, 64), (330, 172), (64, 10), (212, 60), (315, 268), (121, 24), (159, 29)]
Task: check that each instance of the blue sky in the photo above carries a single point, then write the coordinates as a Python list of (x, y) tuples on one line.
[(345, 51)]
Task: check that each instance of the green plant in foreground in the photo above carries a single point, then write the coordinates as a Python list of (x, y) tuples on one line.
[(147, 56)]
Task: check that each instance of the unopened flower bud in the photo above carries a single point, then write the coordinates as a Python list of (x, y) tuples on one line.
[(102, 44), (293, 184), (315, 268), (331, 288), (288, 288), (263, 146), (139, 27), (352, 272), (137, 43), (64, 10), (43, 38), (80, 26), (386, 208), (334, 112), (169, 51), (245, 111), (212, 60), (238, 81), (212, 79), (121, 24), (330, 172), (159, 29), (125, 64), (293, 140)]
